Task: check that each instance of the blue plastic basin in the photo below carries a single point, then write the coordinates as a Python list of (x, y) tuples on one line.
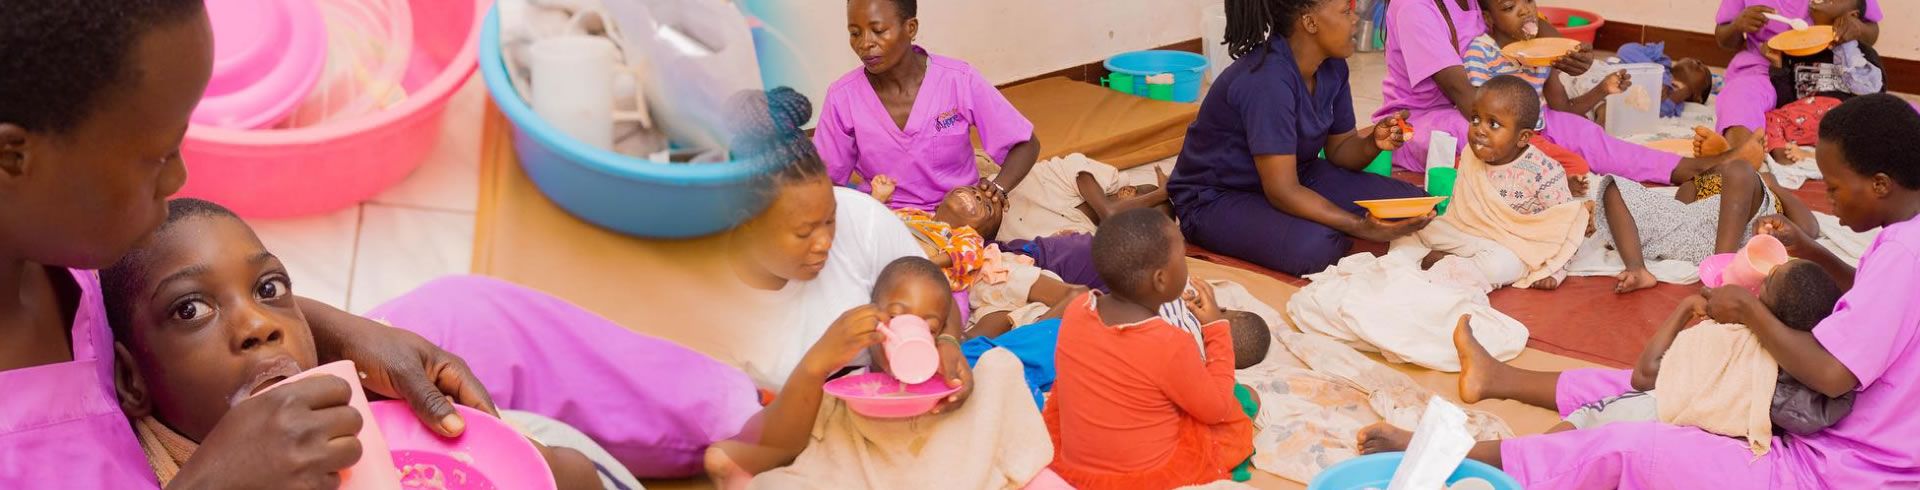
[(626, 194), (1187, 69), (1376, 470)]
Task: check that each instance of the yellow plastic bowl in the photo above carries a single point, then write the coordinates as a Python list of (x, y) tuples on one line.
[(1542, 51), (1808, 42), (1412, 207)]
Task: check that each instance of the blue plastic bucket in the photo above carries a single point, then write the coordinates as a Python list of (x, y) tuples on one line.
[(1187, 69), (616, 191), (1375, 470)]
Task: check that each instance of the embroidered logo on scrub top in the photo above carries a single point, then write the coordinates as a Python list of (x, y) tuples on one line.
[(946, 120)]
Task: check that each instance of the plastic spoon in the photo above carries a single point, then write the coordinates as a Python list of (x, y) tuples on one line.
[(1796, 24)]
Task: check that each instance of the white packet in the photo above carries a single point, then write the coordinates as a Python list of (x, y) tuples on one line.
[(1439, 445)]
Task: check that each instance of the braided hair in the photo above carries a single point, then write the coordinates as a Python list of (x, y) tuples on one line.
[(1250, 23), (766, 130)]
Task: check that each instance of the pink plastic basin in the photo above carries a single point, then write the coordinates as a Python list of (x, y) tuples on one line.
[(267, 56), (272, 173), (880, 396), (489, 455)]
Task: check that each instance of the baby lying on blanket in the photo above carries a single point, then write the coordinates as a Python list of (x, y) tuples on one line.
[(1515, 218), (1073, 194), (1003, 289)]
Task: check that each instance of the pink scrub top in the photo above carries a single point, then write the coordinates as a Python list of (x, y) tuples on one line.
[(1416, 57), (1875, 332), (60, 424), (933, 154), (1757, 42)]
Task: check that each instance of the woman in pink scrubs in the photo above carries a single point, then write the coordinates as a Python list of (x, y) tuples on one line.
[(1869, 346), (1426, 42), (907, 114), (93, 107), (1741, 109)]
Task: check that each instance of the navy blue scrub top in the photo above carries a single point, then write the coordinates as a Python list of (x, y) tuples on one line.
[(1264, 111)]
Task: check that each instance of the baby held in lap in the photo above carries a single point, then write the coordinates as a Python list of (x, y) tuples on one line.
[(204, 318), (1516, 217)]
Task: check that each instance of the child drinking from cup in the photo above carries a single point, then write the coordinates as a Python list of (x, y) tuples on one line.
[(1135, 405), (203, 317)]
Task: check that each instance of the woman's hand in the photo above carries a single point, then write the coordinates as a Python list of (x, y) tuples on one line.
[(1778, 226), (1753, 19), (995, 196), (1201, 301), (296, 436), (1379, 230), (398, 364), (1696, 308), (852, 333), (1390, 133), (954, 369), (1731, 304), (1576, 63)]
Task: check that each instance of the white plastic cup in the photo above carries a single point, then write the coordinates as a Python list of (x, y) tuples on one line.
[(573, 86)]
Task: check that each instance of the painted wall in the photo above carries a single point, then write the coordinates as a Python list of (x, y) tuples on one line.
[(1896, 35), (1007, 40)]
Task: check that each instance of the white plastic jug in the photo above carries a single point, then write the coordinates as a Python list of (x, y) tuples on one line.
[(1638, 109)]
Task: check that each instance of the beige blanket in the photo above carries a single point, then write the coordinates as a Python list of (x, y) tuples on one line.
[(1048, 201), (997, 440), (1545, 242), (1718, 378)]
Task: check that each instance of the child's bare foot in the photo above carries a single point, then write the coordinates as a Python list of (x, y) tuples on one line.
[(1634, 280), (1382, 437), (1546, 284), (1707, 143), (1476, 365), (1125, 193), (1753, 151), (726, 474)]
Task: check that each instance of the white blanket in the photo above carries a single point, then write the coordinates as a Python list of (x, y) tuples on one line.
[(1594, 259), (1388, 305)]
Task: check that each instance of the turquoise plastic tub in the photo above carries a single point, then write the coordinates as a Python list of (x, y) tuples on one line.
[(1188, 70), (619, 192), (1375, 470)]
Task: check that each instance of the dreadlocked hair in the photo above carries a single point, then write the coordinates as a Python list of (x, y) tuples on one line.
[(1250, 23)]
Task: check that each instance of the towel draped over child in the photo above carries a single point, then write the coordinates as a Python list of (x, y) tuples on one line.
[(1718, 377), (1544, 241), (166, 450)]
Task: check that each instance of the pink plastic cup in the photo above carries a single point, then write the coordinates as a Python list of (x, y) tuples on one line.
[(911, 355), (1750, 266), (375, 470)]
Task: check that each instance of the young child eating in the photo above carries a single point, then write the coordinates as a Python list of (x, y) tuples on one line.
[(1515, 218), (203, 317), (1512, 21), (1135, 405)]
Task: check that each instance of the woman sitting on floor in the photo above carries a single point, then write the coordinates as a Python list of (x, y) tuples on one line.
[(1249, 182), (1426, 76), (1866, 347), (902, 120), (1743, 28)]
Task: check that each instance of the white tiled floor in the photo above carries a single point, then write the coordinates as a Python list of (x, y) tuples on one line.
[(422, 229)]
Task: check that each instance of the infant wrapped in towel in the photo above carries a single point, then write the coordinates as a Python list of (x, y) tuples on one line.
[(1515, 218)]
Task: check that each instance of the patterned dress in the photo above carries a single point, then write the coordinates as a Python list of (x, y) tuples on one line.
[(1531, 183), (961, 244)]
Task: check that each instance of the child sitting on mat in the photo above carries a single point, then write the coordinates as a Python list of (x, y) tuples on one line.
[(203, 317), (1516, 217), (1135, 405)]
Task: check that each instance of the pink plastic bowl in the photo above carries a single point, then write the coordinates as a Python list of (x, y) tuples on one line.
[(295, 172), (1713, 270), (489, 455), (267, 56), (878, 395)]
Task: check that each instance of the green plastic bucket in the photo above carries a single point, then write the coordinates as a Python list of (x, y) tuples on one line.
[(1440, 184), (1119, 82), (1382, 165)]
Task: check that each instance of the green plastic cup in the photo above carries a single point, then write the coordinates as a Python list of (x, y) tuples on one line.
[(1382, 165), (1440, 184), (1119, 82), (1157, 91)]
